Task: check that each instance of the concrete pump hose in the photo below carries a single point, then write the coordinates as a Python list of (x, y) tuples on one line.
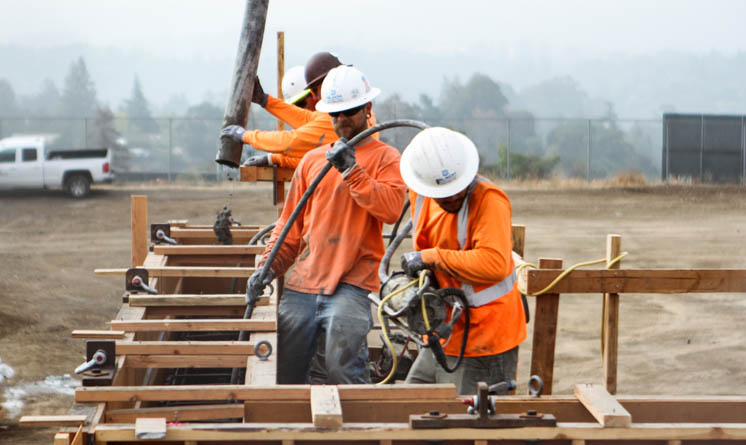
[(302, 202)]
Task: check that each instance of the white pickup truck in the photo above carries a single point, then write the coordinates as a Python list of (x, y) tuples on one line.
[(25, 163)]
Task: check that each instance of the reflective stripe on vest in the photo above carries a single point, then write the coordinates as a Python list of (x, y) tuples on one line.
[(491, 293)]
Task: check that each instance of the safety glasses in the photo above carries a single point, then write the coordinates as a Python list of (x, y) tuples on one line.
[(349, 113)]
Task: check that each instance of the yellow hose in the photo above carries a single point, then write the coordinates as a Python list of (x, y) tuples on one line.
[(559, 278), (395, 360)]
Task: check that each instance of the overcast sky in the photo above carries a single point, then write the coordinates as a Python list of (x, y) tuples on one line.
[(211, 28), (424, 41)]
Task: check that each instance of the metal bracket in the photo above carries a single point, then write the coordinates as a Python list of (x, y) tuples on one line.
[(161, 233), (102, 355), (136, 280), (482, 415)]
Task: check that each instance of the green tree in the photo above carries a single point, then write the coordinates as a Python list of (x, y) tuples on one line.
[(8, 102), (47, 102), (137, 109), (396, 108), (196, 138), (79, 94), (102, 133)]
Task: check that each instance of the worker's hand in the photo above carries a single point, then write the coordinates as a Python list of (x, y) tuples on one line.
[(259, 161), (255, 286), (234, 132), (341, 155), (411, 263), (259, 97)]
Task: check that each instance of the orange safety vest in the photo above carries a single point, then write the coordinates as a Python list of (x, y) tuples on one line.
[(471, 250)]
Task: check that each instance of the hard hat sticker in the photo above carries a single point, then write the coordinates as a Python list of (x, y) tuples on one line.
[(446, 177)]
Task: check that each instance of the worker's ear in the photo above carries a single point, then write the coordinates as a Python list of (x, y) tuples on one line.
[(368, 109)]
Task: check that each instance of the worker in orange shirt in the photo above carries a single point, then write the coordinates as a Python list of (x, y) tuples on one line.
[(336, 243), (311, 128), (462, 233)]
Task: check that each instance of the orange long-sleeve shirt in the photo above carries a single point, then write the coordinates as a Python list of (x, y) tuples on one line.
[(338, 235), (311, 129), (486, 259)]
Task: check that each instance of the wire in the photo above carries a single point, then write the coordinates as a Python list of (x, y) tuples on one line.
[(567, 271)]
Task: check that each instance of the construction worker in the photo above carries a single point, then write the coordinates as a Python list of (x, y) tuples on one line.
[(462, 233), (336, 243), (311, 128)]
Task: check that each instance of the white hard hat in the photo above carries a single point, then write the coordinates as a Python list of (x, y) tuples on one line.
[(345, 87), (293, 83), (439, 163)]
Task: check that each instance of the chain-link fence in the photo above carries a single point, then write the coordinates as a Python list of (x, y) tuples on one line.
[(511, 148)]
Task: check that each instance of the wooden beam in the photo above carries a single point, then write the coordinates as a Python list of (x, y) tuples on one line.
[(402, 432), (639, 281), (269, 392), (62, 439), (208, 250), (326, 408), (139, 229), (263, 372), (251, 173), (194, 325), (140, 300), (239, 233), (185, 347), (610, 334), (187, 271), (545, 331), (150, 428), (106, 335), (45, 421), (178, 413), (603, 406), (185, 361)]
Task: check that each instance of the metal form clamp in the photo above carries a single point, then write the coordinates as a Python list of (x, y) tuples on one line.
[(262, 350), (136, 280), (161, 233), (100, 365)]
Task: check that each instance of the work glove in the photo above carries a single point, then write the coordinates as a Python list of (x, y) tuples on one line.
[(341, 155), (259, 161), (255, 286), (258, 96), (234, 132), (412, 264)]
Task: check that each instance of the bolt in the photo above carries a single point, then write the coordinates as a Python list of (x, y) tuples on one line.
[(435, 412)]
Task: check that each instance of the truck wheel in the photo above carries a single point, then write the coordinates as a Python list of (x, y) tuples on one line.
[(78, 186)]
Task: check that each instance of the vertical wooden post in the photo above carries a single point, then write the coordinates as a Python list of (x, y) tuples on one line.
[(280, 71), (519, 239), (545, 331), (139, 228), (611, 319)]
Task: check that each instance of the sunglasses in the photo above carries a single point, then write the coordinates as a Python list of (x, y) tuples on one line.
[(349, 113)]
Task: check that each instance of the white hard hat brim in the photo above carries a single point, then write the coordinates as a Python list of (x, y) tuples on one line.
[(349, 104)]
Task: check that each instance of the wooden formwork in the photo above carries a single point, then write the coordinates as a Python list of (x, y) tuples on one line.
[(174, 351)]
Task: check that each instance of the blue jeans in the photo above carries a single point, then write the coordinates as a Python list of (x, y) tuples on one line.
[(344, 317)]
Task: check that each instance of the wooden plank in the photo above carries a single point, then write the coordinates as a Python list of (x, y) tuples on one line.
[(227, 347), (239, 233), (192, 300), (186, 413), (44, 421), (252, 173), (195, 311), (194, 325), (640, 281), (187, 271), (139, 229), (610, 334), (78, 437), (518, 233), (402, 432), (106, 335), (263, 372), (268, 392), (150, 428), (545, 331), (603, 406), (326, 408), (208, 250), (185, 361), (62, 439)]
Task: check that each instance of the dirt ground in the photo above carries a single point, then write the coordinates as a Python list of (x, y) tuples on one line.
[(669, 344)]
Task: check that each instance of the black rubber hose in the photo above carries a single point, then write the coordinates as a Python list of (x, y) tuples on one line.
[(395, 229), (302, 202), (255, 239), (383, 267), (437, 348)]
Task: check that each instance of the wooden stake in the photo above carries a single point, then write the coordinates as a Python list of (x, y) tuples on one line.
[(610, 339), (545, 331), (280, 71), (326, 409), (139, 227)]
